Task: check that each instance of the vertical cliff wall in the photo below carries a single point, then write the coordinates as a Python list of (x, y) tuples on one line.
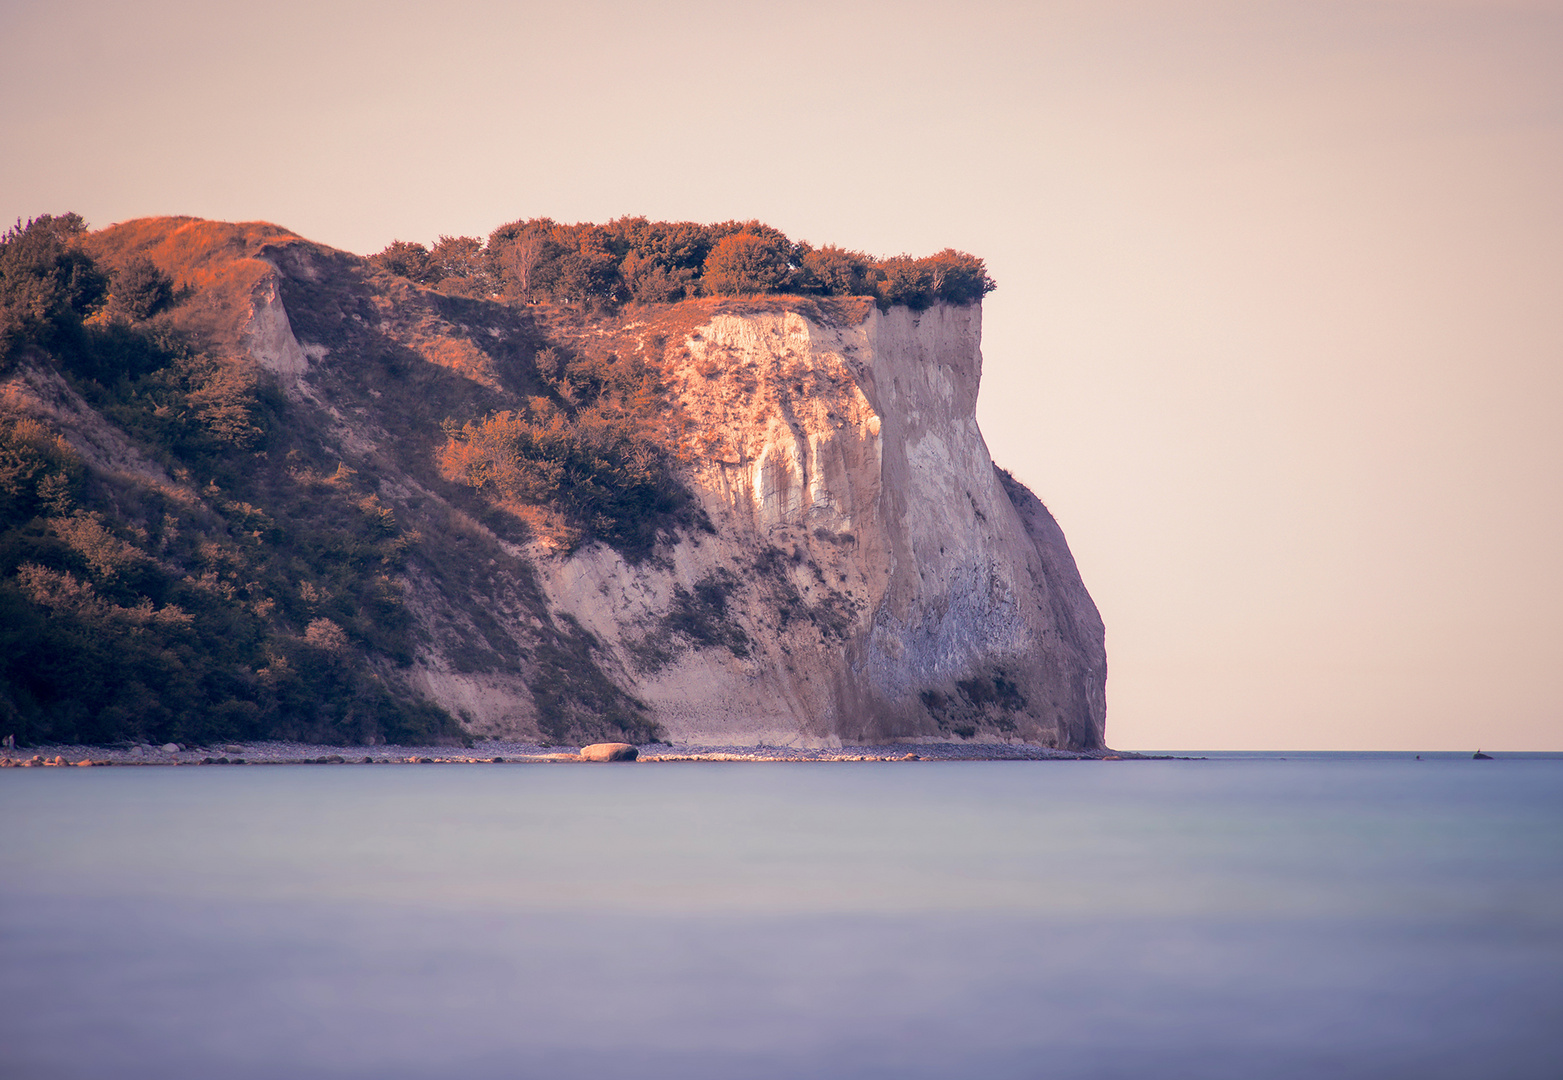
[(870, 574)]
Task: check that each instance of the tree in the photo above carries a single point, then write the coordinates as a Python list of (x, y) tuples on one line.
[(458, 265), (522, 256), (958, 278), (47, 282), (652, 281), (409, 260), (905, 280), (835, 271), (749, 262), (140, 290)]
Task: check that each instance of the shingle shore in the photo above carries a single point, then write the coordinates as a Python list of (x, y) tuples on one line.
[(502, 752)]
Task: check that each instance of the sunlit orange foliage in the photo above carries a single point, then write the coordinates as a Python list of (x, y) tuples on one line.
[(216, 261), (462, 357), (634, 259), (600, 453), (746, 263)]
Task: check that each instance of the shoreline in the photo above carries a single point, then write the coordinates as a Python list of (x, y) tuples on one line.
[(503, 752)]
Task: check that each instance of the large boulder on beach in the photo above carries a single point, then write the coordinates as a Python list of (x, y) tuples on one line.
[(609, 751)]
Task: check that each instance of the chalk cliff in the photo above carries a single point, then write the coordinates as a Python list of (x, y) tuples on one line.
[(881, 578), (852, 568)]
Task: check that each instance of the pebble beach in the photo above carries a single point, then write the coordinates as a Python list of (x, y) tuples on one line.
[(497, 752)]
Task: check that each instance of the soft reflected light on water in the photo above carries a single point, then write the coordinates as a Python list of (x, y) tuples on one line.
[(1343, 916)]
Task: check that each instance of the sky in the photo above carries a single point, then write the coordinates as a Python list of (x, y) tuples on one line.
[(1279, 328)]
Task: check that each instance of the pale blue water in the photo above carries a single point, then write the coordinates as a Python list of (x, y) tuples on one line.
[(1342, 916)]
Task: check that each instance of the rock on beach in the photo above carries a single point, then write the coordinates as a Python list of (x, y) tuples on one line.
[(609, 751)]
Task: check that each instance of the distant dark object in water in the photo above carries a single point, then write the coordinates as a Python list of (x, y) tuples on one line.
[(1479, 756)]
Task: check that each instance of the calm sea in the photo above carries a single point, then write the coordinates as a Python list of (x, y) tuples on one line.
[(1336, 916)]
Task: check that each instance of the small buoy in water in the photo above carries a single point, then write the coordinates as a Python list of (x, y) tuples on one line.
[(1479, 756)]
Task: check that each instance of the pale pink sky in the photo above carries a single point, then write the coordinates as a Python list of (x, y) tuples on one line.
[(1279, 333)]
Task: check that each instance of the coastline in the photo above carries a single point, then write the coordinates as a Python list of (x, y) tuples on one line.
[(502, 752)]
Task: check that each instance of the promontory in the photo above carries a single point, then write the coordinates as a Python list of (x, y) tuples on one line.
[(570, 483)]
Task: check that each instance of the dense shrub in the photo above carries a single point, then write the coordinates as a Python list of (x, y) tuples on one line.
[(160, 618), (138, 290), (409, 260), (38, 469), (596, 452), (635, 259), (663, 261), (835, 271), (47, 283)]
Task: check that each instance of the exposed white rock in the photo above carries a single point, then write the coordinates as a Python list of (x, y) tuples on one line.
[(269, 337), (870, 576)]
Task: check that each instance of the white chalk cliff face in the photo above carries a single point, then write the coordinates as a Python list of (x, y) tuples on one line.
[(870, 576)]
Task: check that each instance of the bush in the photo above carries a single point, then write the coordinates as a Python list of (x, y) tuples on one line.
[(131, 609), (459, 265), (596, 452), (39, 472)]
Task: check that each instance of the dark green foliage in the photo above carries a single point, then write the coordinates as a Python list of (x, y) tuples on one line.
[(835, 271), (697, 618), (995, 690), (47, 283), (958, 278), (832, 613), (596, 452), (39, 472), (195, 405), (139, 290), (662, 261), (459, 266), (411, 261), (951, 276), (576, 702), (702, 615), (204, 622)]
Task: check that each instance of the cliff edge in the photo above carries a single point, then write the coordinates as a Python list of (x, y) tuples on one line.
[(871, 575), (724, 521)]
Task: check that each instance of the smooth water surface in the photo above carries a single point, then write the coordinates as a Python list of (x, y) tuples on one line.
[(1341, 916)]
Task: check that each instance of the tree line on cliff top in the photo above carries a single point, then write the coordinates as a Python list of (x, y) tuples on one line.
[(653, 262)]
